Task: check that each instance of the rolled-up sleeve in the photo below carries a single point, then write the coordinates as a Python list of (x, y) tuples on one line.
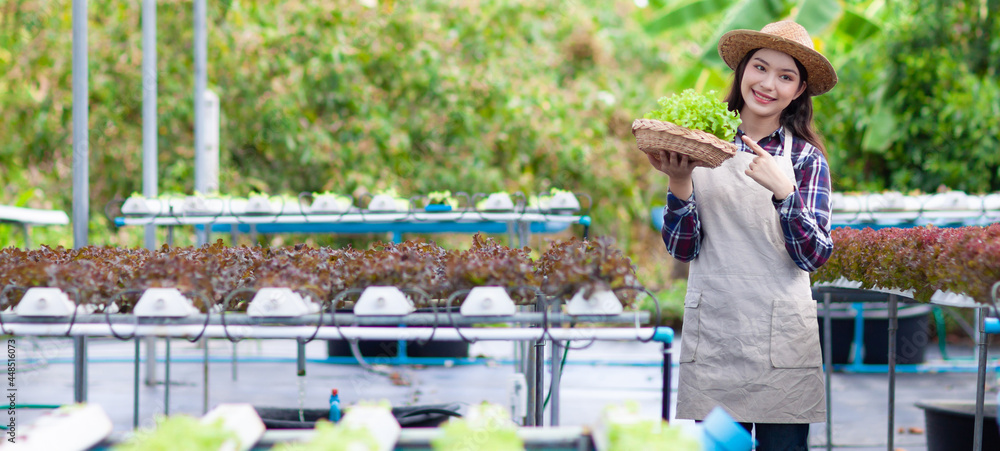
[(681, 228)]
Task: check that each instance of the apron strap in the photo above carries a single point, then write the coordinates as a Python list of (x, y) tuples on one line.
[(787, 151)]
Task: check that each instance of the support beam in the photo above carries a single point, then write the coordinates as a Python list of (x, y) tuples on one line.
[(149, 119), (81, 135), (200, 83), (81, 188)]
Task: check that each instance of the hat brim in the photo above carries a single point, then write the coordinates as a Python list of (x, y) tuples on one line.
[(734, 45)]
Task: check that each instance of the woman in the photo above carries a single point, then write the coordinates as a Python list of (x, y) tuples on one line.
[(752, 229)]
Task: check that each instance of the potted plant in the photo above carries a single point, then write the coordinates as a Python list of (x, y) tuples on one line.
[(488, 263), (139, 205), (388, 201), (556, 201), (329, 203), (441, 201), (202, 205), (500, 201), (592, 271)]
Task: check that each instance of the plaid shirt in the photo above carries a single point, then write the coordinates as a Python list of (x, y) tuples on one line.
[(804, 215)]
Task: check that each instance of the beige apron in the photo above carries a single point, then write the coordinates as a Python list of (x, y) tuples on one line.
[(750, 340)]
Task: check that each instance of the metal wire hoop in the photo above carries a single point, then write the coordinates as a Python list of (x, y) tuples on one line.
[(107, 315), (333, 309), (426, 297), (76, 306), (451, 318), (319, 323), (222, 313), (656, 302), (3, 302), (468, 205), (208, 314)]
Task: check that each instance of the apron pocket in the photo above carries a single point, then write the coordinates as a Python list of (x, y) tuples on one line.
[(794, 335), (689, 328)]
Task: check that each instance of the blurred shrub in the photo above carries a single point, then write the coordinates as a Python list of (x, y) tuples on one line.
[(917, 104)]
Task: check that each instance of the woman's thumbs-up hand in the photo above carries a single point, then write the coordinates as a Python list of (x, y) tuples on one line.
[(764, 170)]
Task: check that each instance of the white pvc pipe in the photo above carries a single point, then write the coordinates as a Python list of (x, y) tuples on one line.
[(468, 216), (149, 121), (81, 171), (81, 135), (200, 84), (331, 333)]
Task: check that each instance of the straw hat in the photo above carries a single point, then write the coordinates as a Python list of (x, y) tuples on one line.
[(785, 36)]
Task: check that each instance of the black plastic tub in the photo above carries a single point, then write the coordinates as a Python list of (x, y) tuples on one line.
[(912, 336), (390, 348), (951, 425), (414, 348), (430, 415)]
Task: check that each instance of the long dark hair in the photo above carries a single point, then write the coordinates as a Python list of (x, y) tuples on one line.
[(797, 116)]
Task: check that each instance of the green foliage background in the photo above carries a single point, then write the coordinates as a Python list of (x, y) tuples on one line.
[(419, 96), (922, 101), (477, 96)]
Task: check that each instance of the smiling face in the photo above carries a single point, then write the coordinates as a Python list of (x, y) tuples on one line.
[(770, 82)]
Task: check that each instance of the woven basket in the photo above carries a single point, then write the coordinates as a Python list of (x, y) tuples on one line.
[(652, 136)]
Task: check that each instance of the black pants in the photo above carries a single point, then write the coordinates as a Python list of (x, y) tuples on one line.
[(780, 437)]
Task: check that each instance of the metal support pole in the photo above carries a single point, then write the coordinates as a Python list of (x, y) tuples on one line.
[(518, 361), (554, 384), (529, 378), (540, 382), (401, 352), (828, 366), (200, 82), (81, 135), (204, 375), (166, 379), (667, 368), (234, 361), (977, 440), (149, 121), (859, 337), (135, 387), (893, 326), (523, 234), (151, 361), (521, 362), (80, 369), (301, 360), (27, 235)]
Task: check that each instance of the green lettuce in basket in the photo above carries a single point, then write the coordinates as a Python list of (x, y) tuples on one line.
[(696, 111)]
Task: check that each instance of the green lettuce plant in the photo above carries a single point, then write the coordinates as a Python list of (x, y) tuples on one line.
[(696, 111)]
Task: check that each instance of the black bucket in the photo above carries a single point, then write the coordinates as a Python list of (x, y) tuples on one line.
[(414, 348), (951, 425), (912, 335), (430, 415), (389, 348)]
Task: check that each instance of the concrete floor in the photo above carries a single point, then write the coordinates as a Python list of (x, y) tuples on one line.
[(605, 373)]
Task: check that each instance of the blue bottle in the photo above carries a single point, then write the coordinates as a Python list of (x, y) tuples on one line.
[(334, 406)]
